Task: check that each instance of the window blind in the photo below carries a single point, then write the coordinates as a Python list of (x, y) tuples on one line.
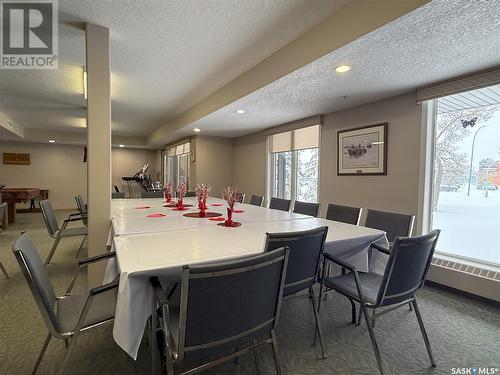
[(298, 139), (461, 84), (179, 149)]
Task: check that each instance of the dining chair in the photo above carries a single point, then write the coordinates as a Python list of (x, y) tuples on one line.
[(404, 274), (393, 224), (69, 315), (229, 308), (256, 200), (306, 208), (117, 190), (280, 204), (242, 198), (3, 210), (57, 233), (344, 214), (190, 194), (82, 208), (152, 194), (306, 250), (121, 195)]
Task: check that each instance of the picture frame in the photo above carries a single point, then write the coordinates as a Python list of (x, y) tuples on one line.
[(362, 151)]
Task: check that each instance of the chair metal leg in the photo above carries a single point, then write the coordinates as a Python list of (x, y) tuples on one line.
[(81, 245), (410, 305), (154, 346), (318, 324), (4, 271), (359, 317), (42, 352), (276, 354), (52, 250), (353, 312), (424, 333), (372, 338), (256, 359)]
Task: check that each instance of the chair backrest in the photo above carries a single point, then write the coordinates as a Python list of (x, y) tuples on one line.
[(256, 200), (80, 204), (229, 301), (344, 214), (190, 194), (311, 209), (49, 217), (280, 204), (393, 224), (38, 280), (152, 194), (306, 248), (407, 267), (3, 210), (121, 195), (242, 198)]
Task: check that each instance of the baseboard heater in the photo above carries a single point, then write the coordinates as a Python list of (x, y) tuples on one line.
[(477, 279)]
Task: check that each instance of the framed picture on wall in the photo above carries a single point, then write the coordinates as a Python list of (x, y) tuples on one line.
[(362, 151)]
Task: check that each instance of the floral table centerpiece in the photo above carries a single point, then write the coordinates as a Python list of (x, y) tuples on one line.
[(231, 196)]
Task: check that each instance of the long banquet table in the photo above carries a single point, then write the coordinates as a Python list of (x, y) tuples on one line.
[(161, 246)]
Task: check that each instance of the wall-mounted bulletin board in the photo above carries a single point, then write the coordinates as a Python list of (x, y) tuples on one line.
[(17, 159)]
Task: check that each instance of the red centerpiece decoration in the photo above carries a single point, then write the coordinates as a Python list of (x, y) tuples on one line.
[(202, 192), (231, 196), (181, 191), (167, 192)]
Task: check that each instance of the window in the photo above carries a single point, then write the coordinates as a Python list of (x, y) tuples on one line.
[(466, 174), (176, 164), (295, 164)]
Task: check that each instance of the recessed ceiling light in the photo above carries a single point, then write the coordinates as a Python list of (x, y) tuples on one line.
[(342, 68), (197, 130), (52, 141), (122, 145), (240, 111)]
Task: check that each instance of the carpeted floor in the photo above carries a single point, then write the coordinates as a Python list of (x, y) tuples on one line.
[(463, 332)]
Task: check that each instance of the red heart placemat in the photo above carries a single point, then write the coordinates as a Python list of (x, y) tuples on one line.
[(238, 211), (156, 215), (142, 207), (217, 204), (217, 218)]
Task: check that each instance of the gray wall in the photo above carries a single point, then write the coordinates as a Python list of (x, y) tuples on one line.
[(398, 191)]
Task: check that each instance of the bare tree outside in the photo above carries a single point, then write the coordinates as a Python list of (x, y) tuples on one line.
[(451, 164)]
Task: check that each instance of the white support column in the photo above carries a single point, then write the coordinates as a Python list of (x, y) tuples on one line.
[(98, 144)]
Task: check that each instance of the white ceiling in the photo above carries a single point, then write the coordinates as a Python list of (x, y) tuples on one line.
[(165, 56), (440, 40)]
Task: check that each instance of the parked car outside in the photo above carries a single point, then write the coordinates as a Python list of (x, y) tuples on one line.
[(487, 186), (448, 188)]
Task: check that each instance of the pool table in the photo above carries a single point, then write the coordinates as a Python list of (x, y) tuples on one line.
[(17, 195)]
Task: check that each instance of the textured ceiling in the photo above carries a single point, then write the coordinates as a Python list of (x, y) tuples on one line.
[(442, 39), (165, 57)]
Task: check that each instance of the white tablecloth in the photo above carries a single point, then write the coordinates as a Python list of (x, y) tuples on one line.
[(163, 253)]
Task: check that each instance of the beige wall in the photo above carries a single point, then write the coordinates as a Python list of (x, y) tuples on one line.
[(213, 163), (59, 168), (249, 168), (398, 191), (127, 161)]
